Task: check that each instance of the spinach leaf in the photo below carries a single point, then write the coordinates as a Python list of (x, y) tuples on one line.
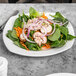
[(55, 36), (33, 12), (55, 43), (13, 34), (63, 37), (25, 17), (31, 17), (59, 18), (58, 43), (64, 30), (22, 25), (9, 35), (70, 37), (30, 38), (17, 23), (20, 18), (32, 46), (66, 22), (32, 32), (18, 44)]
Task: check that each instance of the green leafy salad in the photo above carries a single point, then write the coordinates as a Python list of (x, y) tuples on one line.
[(37, 32)]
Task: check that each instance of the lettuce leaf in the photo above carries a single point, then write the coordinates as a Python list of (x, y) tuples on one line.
[(70, 37), (58, 43), (33, 12), (17, 42), (59, 18), (13, 34), (17, 23), (64, 30), (9, 36), (55, 36), (32, 46), (25, 17)]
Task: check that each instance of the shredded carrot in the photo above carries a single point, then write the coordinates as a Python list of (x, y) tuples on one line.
[(25, 32), (50, 23), (46, 46), (32, 38), (45, 17), (37, 31), (18, 31), (61, 35), (24, 46)]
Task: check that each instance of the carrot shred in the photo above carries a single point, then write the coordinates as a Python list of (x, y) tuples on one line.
[(46, 46), (61, 35), (50, 23), (24, 46), (32, 38), (45, 17), (18, 31)]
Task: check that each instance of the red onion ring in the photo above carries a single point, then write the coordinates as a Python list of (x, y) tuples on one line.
[(28, 32), (56, 22), (45, 30), (49, 20), (52, 31), (26, 36)]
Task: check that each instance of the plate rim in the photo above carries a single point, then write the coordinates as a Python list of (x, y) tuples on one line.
[(58, 74)]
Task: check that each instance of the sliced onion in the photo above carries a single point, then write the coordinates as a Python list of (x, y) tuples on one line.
[(45, 30), (61, 24), (65, 22), (52, 31), (49, 20), (55, 25), (36, 21), (28, 32), (25, 23), (26, 36), (40, 19)]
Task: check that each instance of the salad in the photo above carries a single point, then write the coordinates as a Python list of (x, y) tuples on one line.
[(37, 32)]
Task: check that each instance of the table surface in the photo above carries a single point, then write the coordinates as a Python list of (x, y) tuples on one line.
[(30, 66)]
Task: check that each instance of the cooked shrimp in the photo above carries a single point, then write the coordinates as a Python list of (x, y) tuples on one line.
[(47, 27), (32, 20), (33, 24), (39, 38), (22, 38)]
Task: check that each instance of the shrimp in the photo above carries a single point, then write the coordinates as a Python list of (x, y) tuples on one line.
[(47, 26), (22, 38), (32, 20), (48, 29), (33, 24), (39, 38)]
